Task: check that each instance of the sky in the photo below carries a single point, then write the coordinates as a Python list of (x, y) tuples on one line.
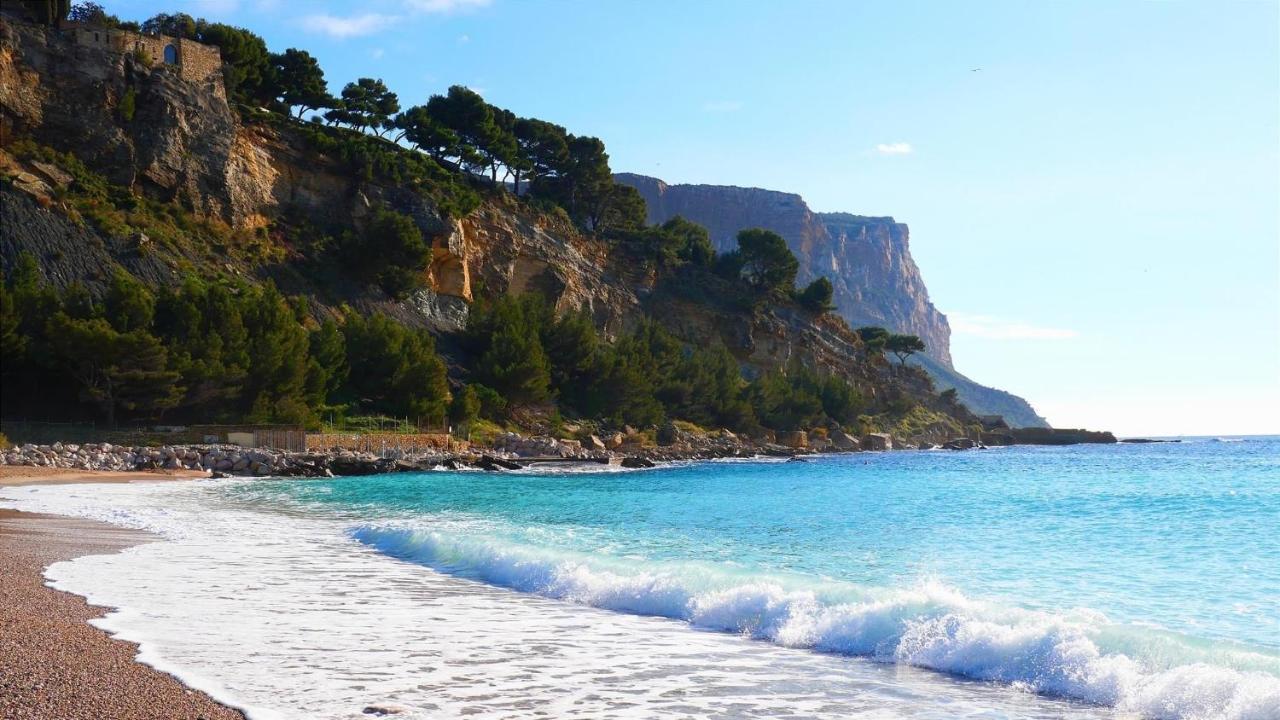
[(1093, 188)]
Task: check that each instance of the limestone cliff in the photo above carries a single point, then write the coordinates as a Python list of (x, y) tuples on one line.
[(867, 259)]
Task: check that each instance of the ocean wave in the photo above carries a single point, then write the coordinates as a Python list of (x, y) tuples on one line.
[(1074, 655)]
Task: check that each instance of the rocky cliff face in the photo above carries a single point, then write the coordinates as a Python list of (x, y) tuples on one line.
[(867, 259)]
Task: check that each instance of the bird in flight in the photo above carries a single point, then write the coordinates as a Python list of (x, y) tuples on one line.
[(975, 69)]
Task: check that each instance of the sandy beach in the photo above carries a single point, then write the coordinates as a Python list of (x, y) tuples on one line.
[(30, 475), (53, 663)]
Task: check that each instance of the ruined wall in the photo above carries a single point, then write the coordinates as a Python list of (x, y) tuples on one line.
[(195, 62)]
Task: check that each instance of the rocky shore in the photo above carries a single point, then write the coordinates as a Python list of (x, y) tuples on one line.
[(508, 451)]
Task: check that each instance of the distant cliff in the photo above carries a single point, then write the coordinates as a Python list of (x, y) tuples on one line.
[(867, 259)]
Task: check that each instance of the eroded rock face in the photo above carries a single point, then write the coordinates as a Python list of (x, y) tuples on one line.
[(876, 282), (867, 259), (185, 143), (176, 143), (510, 251)]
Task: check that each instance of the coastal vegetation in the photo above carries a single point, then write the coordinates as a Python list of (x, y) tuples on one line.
[(228, 351)]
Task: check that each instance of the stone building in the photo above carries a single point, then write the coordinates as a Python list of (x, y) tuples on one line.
[(195, 62)]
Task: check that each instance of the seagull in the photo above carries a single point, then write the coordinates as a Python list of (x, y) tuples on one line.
[(975, 69)]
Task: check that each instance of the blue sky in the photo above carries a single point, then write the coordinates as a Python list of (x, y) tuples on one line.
[(1097, 208)]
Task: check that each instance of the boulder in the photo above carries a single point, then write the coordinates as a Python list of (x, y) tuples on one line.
[(960, 444), (593, 444), (636, 462), (794, 439), (877, 442), (844, 441), (490, 463), (668, 434), (615, 440)]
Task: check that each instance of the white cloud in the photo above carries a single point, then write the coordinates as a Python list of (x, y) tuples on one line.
[(898, 148), (344, 27), (722, 106), (377, 53), (444, 6), (994, 328), (464, 39)]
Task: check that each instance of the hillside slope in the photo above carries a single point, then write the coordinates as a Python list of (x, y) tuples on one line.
[(182, 183)]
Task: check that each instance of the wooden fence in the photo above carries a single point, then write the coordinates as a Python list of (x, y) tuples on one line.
[(295, 440), (379, 443)]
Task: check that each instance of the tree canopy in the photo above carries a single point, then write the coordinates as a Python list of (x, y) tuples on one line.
[(365, 103), (299, 82), (817, 296), (904, 346)]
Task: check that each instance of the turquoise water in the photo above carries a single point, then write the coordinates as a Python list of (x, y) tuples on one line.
[(1145, 577)]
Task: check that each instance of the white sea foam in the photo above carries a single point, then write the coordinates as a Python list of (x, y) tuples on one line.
[(930, 626)]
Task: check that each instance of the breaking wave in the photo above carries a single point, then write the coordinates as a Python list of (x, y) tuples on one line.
[(1078, 655)]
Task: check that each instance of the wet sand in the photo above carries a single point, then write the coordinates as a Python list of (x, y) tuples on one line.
[(53, 663)]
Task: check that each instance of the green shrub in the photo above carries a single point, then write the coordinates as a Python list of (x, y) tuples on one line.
[(128, 105)]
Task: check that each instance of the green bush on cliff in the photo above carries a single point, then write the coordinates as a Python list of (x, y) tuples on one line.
[(376, 159), (816, 296), (128, 105), (391, 251)]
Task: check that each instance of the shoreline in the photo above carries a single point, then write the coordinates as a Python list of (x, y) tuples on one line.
[(55, 663), (14, 475), (507, 452)]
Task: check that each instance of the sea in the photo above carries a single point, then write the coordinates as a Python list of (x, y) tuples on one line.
[(1091, 581)]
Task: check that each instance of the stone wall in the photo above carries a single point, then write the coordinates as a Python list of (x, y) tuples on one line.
[(195, 62)]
